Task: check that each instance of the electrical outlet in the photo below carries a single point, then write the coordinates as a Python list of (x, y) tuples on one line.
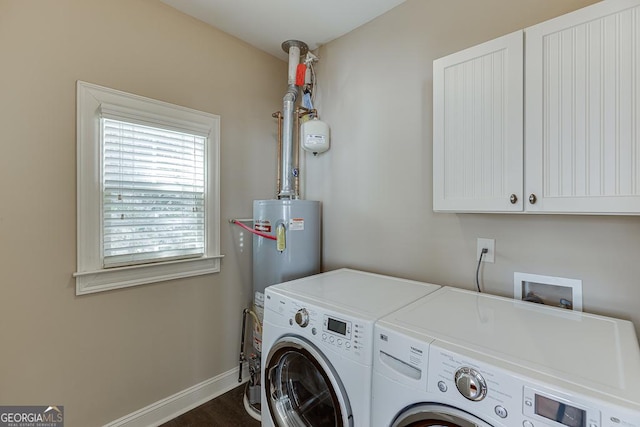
[(490, 244)]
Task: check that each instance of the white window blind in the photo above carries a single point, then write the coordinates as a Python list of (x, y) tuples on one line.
[(153, 194)]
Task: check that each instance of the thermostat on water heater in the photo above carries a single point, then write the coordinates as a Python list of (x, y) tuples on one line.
[(315, 136)]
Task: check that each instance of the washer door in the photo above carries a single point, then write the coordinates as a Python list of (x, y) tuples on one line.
[(302, 388), (428, 414)]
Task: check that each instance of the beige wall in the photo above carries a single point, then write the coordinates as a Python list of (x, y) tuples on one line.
[(376, 181), (106, 355)]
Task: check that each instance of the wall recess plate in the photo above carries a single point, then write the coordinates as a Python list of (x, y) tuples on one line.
[(553, 291)]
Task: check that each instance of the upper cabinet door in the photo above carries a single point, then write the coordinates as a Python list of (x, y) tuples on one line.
[(478, 129), (583, 111)]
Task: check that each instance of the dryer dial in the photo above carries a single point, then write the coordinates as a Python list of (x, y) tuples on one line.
[(302, 317), (471, 384)]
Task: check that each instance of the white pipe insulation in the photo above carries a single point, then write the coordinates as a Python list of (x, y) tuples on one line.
[(294, 60)]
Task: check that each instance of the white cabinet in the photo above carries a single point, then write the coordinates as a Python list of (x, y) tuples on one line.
[(582, 111), (581, 118), (477, 113)]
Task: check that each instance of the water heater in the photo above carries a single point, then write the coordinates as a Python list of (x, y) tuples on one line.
[(286, 230), (296, 252)]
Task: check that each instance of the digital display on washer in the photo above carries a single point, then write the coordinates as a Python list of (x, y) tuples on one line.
[(564, 414), (337, 326)]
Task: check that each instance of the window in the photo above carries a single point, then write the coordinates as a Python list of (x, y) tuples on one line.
[(148, 190)]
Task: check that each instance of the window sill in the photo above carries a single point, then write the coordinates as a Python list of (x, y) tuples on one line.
[(88, 282)]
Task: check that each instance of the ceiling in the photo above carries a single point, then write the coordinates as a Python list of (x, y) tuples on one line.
[(265, 24)]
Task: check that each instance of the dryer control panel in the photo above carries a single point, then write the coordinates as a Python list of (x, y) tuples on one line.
[(323, 327)]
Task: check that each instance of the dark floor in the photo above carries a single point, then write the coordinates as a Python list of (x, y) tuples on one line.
[(224, 411)]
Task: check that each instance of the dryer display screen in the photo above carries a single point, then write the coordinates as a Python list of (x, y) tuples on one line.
[(560, 412), (337, 326)]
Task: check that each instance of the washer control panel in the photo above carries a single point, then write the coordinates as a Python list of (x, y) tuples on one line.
[(505, 397), (468, 384), (545, 406), (338, 327), (347, 335)]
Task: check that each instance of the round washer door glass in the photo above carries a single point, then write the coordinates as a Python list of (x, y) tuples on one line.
[(433, 415), (302, 388)]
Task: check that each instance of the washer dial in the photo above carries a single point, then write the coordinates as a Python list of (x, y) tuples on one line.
[(302, 317), (471, 384)]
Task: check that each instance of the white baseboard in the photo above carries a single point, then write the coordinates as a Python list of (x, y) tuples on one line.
[(170, 407)]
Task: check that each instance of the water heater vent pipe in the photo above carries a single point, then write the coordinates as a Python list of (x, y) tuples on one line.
[(287, 173)]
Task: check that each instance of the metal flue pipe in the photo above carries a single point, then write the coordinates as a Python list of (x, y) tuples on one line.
[(287, 190)]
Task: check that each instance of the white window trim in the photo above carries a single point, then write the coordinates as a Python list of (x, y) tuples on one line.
[(92, 101)]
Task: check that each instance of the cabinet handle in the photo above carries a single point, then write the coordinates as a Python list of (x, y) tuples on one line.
[(513, 199), (532, 199)]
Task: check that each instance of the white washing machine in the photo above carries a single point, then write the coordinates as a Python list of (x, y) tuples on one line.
[(317, 345), (459, 358)]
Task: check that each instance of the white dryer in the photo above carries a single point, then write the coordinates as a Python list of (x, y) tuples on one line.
[(317, 345), (459, 358)]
